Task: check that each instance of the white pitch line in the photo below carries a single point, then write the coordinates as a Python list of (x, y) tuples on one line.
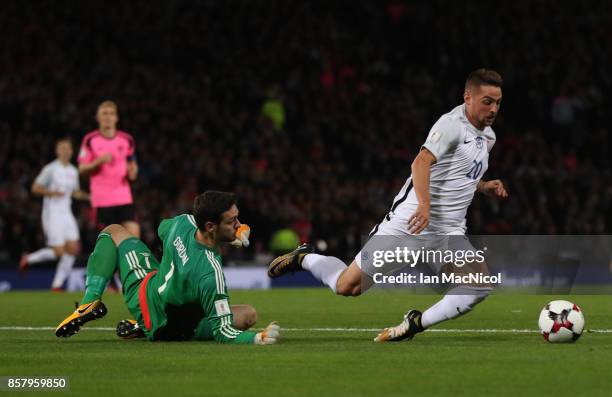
[(437, 330)]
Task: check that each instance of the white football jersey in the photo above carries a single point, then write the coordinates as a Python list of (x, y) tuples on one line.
[(58, 177), (462, 157)]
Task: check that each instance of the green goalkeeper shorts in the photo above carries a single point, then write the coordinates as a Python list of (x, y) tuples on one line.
[(135, 262)]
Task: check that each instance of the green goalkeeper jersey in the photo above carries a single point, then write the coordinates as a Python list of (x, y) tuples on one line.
[(188, 292)]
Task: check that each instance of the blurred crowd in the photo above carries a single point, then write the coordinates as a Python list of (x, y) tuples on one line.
[(312, 112)]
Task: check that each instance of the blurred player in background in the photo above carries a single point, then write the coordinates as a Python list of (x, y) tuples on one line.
[(183, 296), (57, 183), (434, 201), (109, 157)]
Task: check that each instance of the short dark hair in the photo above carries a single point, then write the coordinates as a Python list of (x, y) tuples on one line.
[(484, 76), (210, 205), (63, 139)]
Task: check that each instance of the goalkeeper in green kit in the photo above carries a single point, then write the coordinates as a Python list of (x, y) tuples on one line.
[(182, 298)]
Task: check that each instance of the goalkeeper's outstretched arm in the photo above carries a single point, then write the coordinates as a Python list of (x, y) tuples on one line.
[(220, 318)]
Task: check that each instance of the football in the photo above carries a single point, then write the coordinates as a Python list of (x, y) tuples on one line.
[(561, 322)]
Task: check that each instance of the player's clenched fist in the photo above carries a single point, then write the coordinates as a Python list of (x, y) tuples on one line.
[(494, 188), (268, 336)]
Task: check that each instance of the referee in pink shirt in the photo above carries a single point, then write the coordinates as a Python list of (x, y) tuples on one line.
[(108, 156)]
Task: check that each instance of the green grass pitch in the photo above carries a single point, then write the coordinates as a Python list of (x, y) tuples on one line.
[(341, 360)]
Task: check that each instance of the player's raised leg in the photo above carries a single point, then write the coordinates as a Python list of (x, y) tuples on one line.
[(53, 227), (101, 265), (331, 271), (45, 254), (64, 265)]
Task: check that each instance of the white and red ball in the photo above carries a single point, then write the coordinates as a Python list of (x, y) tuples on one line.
[(561, 322)]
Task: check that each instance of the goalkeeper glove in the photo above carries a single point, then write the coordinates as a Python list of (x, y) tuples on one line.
[(268, 336), (242, 236)]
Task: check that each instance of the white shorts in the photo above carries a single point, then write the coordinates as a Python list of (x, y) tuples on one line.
[(392, 234), (59, 228)]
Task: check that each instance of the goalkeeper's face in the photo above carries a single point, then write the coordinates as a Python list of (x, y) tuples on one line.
[(226, 229)]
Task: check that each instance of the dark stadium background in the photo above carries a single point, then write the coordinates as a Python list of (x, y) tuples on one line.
[(360, 84)]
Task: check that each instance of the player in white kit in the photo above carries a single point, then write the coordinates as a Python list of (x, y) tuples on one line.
[(58, 183), (431, 206)]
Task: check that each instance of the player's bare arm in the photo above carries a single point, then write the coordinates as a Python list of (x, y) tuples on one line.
[(492, 188), (132, 170), (90, 167), (420, 179), (40, 190), (81, 195)]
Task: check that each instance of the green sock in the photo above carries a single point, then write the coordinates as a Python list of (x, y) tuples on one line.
[(101, 266)]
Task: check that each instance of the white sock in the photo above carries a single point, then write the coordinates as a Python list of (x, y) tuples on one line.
[(64, 266), (42, 255), (455, 303), (327, 269)]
